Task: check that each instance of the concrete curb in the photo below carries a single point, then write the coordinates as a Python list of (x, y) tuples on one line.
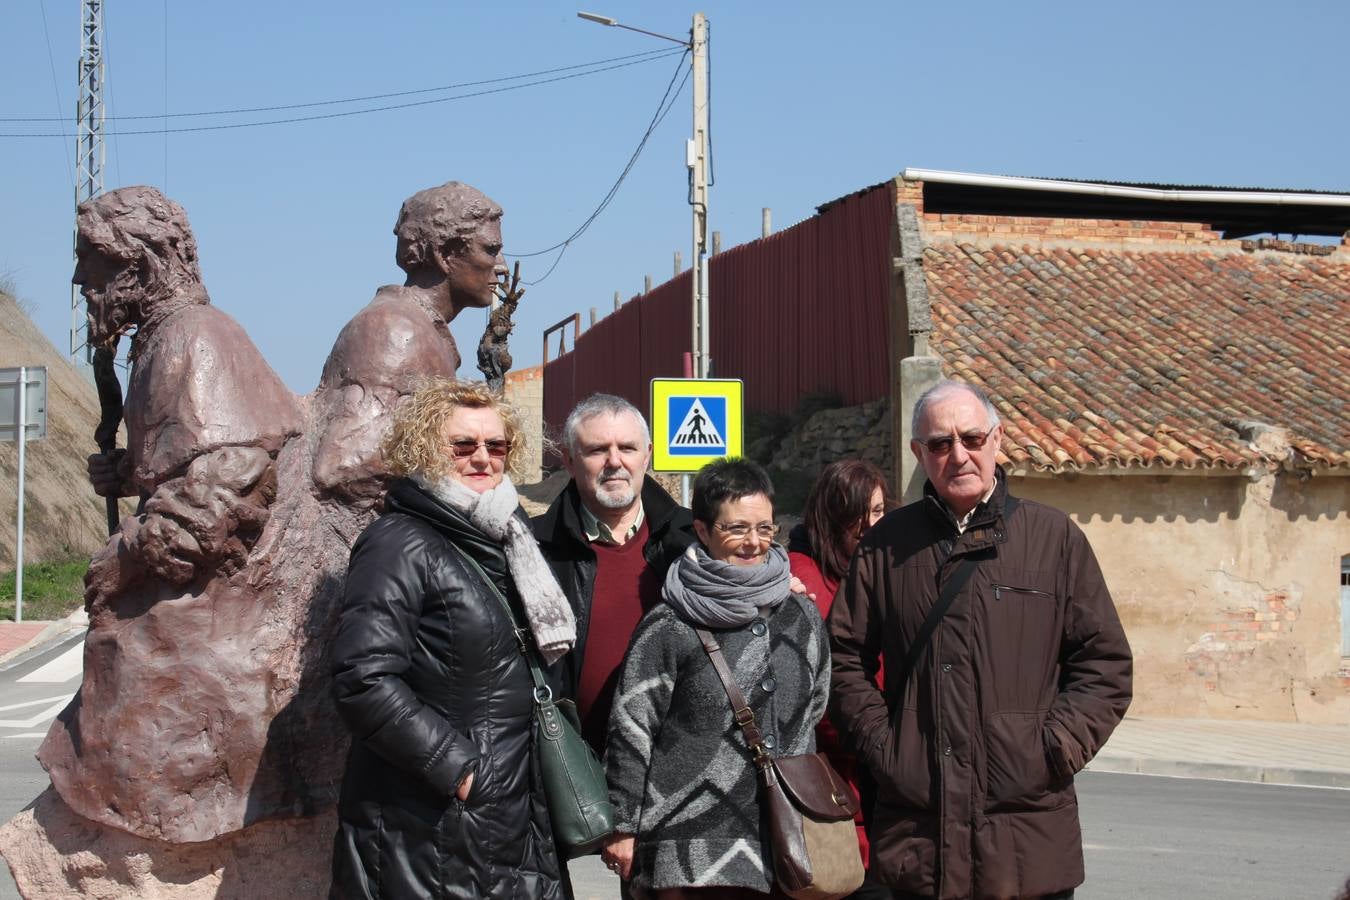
[(1184, 768), (53, 631)]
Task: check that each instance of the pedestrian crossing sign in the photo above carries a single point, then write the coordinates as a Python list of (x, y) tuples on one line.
[(695, 421)]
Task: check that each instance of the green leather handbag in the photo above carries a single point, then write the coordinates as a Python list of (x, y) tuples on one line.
[(574, 781)]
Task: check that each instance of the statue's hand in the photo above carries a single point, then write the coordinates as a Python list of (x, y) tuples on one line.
[(212, 515), (509, 289), (107, 473), (167, 549)]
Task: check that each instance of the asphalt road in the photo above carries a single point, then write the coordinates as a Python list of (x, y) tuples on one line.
[(33, 689), (1144, 837)]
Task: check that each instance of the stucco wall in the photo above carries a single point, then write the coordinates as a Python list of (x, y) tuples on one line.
[(1229, 588), (525, 391)]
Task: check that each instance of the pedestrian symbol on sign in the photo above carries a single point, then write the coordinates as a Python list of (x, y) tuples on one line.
[(700, 426)]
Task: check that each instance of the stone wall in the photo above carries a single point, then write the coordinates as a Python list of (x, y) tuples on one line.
[(850, 431)]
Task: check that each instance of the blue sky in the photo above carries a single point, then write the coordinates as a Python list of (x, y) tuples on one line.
[(809, 102)]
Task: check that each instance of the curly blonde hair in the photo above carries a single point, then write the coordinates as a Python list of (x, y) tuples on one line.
[(416, 442)]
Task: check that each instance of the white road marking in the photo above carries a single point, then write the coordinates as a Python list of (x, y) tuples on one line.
[(1131, 849), (47, 713), (14, 706), (60, 670)]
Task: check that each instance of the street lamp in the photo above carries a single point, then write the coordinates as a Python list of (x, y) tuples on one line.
[(696, 159)]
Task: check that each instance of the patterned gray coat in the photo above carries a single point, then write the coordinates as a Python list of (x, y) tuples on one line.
[(679, 770)]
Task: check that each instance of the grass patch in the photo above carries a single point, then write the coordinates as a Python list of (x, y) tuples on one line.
[(51, 590)]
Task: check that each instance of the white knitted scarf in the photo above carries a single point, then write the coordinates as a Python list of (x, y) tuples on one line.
[(494, 513)]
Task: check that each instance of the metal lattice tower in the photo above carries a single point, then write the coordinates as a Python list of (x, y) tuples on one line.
[(88, 142)]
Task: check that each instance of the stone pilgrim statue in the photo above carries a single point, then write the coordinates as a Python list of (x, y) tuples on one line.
[(449, 245), (201, 756)]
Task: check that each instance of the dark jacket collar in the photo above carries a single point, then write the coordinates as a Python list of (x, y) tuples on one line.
[(408, 498), (986, 525), (560, 525)]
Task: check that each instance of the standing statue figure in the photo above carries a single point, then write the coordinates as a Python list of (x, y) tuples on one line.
[(191, 721), (494, 355), (449, 245)]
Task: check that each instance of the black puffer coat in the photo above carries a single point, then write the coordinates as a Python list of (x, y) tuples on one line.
[(430, 681)]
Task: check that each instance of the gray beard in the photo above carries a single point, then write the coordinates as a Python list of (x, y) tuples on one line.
[(616, 501), (611, 500)]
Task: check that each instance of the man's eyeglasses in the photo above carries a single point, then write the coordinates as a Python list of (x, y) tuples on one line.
[(942, 445), (496, 448), (739, 531)]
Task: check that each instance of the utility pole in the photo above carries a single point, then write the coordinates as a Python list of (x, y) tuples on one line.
[(88, 143), (696, 158), (698, 195)]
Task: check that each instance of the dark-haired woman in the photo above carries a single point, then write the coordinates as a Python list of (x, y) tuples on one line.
[(847, 499), (680, 774)]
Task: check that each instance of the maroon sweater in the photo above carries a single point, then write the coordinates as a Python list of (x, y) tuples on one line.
[(625, 588)]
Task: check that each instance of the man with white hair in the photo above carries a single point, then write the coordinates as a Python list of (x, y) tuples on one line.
[(609, 537), (1006, 671)]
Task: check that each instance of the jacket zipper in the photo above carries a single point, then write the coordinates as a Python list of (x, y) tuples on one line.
[(1000, 588)]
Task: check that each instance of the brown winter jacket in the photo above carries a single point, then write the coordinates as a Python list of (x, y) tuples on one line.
[(1021, 683)]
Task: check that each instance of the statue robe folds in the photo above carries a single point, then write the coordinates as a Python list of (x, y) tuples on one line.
[(208, 608)]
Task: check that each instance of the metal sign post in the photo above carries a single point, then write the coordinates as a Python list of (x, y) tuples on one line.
[(22, 419), (26, 412)]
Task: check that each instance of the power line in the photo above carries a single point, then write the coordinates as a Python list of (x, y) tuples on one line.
[(359, 112), (662, 108), (56, 85), (642, 57)]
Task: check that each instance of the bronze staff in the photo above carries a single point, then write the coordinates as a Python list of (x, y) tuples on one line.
[(110, 404)]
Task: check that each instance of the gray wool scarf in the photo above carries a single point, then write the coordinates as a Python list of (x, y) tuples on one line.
[(494, 513), (716, 594)]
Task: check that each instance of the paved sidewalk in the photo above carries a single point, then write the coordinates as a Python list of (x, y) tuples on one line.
[(19, 637), (16, 636), (1269, 752)]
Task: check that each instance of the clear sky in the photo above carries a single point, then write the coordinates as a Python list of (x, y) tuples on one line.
[(809, 102)]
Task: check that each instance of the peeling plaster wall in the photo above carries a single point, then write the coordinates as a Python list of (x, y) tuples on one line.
[(1229, 589)]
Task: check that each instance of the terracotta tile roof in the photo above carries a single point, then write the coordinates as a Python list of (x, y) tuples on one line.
[(1152, 357)]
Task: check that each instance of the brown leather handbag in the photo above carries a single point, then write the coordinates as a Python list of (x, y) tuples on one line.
[(809, 807)]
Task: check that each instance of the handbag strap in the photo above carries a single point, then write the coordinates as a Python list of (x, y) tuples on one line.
[(524, 637), (946, 598), (741, 713)]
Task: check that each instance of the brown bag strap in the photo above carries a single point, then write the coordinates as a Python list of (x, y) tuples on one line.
[(741, 713)]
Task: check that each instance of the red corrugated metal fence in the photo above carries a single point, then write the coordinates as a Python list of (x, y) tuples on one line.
[(799, 312)]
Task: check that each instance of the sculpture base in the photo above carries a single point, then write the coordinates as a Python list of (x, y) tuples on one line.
[(53, 853)]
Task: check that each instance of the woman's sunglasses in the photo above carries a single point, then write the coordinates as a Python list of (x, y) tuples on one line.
[(497, 449)]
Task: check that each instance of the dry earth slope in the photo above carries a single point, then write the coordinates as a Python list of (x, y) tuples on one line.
[(62, 516)]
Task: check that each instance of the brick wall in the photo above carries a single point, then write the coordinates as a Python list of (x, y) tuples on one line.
[(525, 391), (1127, 231), (1236, 637)]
